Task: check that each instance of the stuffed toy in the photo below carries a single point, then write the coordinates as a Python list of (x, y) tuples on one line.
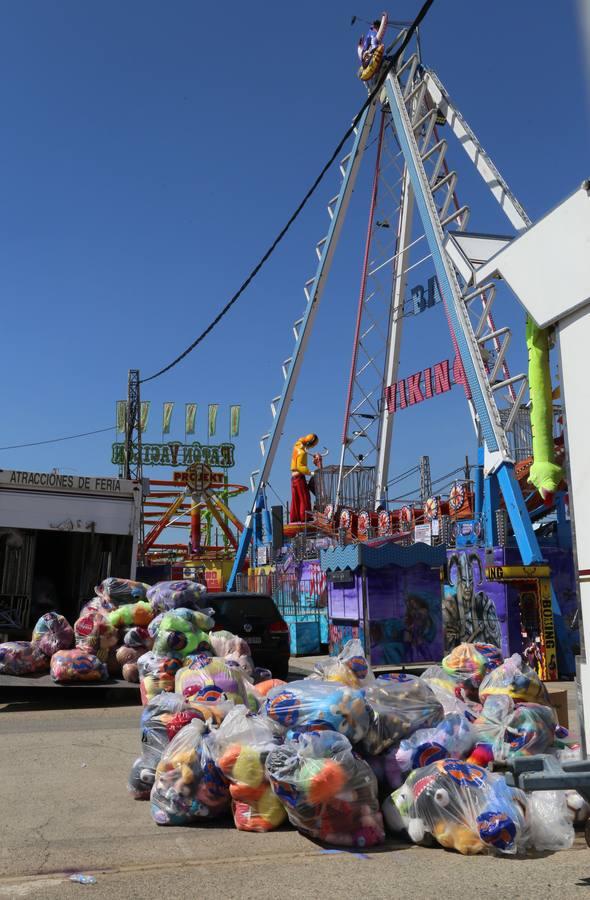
[(130, 614), (77, 665), (224, 643), (22, 658), (197, 617), (387, 771), (449, 692), (350, 667), (452, 738), (155, 737), (167, 595), (180, 636), (516, 679), (117, 591), (261, 674), (468, 664), (53, 632), (329, 793), (209, 678), (94, 632), (138, 638), (263, 687), (523, 730), (156, 674), (311, 705), (463, 806), (397, 709), (127, 658), (188, 786), (241, 745), (244, 663)]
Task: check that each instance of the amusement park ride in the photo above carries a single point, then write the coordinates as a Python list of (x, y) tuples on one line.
[(418, 223)]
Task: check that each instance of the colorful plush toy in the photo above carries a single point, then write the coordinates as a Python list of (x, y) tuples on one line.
[(116, 591), (516, 679), (155, 718), (188, 786), (243, 662), (545, 474), (241, 745), (224, 643), (130, 614), (263, 687), (523, 730), (387, 771), (22, 658), (329, 793), (210, 679), (167, 595), (181, 636), (463, 806), (452, 738), (449, 692), (94, 632), (156, 674), (468, 664), (138, 638), (127, 658), (53, 632), (77, 665), (350, 667), (311, 705), (397, 709)]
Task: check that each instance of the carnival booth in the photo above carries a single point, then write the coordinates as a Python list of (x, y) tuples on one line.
[(389, 597)]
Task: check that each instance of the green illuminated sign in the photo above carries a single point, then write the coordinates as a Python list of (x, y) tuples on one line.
[(176, 454)]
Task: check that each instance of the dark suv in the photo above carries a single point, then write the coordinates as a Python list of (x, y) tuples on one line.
[(255, 618)]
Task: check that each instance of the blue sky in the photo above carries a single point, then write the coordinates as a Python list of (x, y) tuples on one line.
[(150, 153)]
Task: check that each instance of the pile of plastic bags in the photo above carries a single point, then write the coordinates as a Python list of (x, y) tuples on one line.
[(343, 755)]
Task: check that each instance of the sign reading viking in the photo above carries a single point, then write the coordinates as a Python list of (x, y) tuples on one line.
[(177, 454)]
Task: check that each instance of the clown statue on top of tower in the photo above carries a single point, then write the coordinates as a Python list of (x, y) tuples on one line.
[(300, 498), (371, 49)]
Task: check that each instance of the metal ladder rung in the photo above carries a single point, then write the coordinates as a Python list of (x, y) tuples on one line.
[(427, 115), (494, 334), (513, 412), (442, 144), (273, 405), (469, 298), (462, 211), (306, 288), (319, 246), (410, 59), (296, 326), (507, 382), (343, 164), (285, 366), (447, 179), (331, 204), (414, 91)]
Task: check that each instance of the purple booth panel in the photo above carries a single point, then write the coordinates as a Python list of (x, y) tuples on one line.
[(405, 617), (345, 601)]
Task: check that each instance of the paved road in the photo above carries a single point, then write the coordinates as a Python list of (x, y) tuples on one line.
[(64, 808)]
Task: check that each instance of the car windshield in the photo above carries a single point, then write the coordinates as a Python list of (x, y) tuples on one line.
[(243, 607)]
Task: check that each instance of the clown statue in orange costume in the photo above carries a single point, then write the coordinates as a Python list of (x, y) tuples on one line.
[(300, 499)]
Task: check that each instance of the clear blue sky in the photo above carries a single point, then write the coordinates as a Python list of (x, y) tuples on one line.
[(152, 150)]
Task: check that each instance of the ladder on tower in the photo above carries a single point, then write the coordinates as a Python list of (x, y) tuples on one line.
[(302, 328)]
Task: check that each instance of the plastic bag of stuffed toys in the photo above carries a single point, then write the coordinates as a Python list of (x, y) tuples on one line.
[(463, 806), (398, 705), (468, 665), (77, 665), (449, 693), (235, 650), (188, 786), (22, 658), (170, 595), (94, 632), (114, 592), (182, 632), (156, 674), (516, 679), (328, 791), (452, 738), (209, 678), (161, 720), (241, 745), (53, 632), (522, 730), (349, 667), (311, 705)]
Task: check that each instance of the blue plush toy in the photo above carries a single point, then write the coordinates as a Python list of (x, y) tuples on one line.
[(311, 705), (453, 738)]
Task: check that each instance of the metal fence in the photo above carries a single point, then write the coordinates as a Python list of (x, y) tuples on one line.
[(302, 597)]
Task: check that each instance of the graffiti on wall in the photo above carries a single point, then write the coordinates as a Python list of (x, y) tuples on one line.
[(469, 613)]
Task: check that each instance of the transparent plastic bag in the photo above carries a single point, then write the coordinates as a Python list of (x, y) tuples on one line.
[(549, 823), (329, 792), (94, 632), (138, 638), (470, 663), (452, 738), (523, 730), (22, 658), (449, 692), (181, 635), (156, 674), (240, 747), (188, 786), (224, 643), (243, 662), (350, 667), (127, 658), (463, 806), (121, 590), (130, 614), (387, 771), (515, 678), (53, 632), (210, 678), (311, 705), (155, 718), (397, 709), (168, 595), (77, 665)]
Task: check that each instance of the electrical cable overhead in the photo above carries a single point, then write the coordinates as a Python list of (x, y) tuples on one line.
[(69, 437), (405, 40)]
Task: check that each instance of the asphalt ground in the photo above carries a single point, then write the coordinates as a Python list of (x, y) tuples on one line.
[(64, 809)]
